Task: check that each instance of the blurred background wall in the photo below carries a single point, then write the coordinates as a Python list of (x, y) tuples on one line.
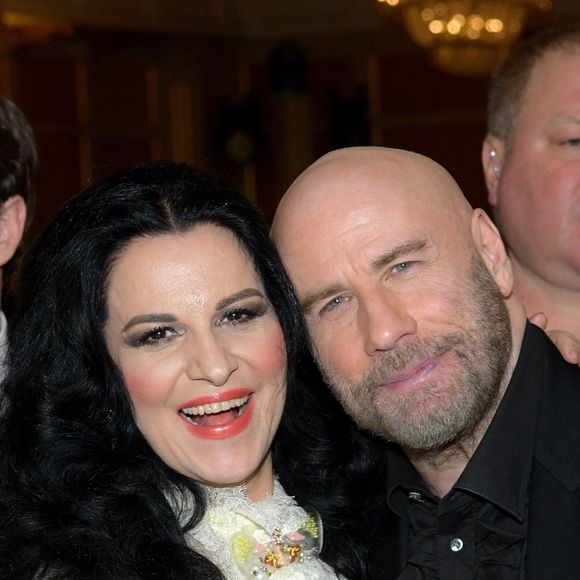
[(251, 90)]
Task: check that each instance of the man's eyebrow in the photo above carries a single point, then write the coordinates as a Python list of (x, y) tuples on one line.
[(378, 263), (397, 252), (323, 294)]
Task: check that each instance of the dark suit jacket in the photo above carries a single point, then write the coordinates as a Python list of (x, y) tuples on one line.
[(553, 543)]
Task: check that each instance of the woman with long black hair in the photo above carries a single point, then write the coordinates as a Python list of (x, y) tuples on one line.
[(151, 422)]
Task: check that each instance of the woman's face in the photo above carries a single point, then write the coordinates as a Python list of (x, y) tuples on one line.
[(202, 354)]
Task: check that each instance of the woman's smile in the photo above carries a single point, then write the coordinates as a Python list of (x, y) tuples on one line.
[(224, 414)]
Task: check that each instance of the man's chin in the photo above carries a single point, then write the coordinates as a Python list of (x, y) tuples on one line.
[(420, 440)]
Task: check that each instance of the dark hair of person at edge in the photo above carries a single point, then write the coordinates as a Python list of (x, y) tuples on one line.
[(82, 493), (18, 160)]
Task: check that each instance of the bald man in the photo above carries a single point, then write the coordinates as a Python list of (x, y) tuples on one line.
[(408, 296)]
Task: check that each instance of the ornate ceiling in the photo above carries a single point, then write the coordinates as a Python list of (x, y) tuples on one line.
[(251, 18)]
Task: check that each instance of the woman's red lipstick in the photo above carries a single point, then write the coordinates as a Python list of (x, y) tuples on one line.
[(224, 424)]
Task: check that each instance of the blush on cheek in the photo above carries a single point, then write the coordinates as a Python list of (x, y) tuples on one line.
[(144, 388), (270, 354)]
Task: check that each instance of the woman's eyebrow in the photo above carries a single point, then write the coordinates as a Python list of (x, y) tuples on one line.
[(246, 293), (149, 318)]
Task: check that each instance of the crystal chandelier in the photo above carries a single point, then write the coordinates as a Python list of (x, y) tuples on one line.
[(464, 37)]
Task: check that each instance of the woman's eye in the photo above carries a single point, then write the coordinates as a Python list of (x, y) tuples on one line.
[(240, 315), (158, 335)]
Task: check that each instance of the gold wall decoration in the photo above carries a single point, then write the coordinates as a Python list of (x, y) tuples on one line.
[(465, 37)]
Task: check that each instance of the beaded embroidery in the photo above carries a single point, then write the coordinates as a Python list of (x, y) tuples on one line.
[(260, 554)]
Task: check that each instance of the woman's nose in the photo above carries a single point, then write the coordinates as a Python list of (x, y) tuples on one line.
[(211, 361)]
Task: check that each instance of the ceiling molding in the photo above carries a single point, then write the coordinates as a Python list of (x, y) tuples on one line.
[(215, 17), (251, 19)]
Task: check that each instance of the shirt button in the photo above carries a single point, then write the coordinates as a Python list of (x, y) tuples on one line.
[(456, 544)]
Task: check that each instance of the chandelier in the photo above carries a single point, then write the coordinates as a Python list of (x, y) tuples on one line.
[(465, 37)]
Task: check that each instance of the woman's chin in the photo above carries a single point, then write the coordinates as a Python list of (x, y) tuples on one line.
[(257, 478)]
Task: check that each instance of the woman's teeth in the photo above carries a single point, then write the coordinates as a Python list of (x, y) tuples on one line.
[(211, 408)]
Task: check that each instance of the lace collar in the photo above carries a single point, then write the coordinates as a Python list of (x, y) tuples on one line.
[(271, 538)]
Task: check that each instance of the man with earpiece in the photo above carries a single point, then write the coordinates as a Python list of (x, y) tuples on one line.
[(531, 162)]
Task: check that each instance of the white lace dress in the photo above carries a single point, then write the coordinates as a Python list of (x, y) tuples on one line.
[(258, 540)]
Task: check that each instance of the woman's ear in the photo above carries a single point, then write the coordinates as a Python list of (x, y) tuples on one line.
[(492, 251), (12, 221), (492, 160)]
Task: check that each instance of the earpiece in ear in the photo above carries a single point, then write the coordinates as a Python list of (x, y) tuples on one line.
[(494, 165)]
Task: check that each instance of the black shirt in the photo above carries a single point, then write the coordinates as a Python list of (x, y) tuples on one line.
[(478, 530)]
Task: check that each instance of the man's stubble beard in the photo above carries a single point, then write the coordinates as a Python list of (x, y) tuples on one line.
[(430, 420)]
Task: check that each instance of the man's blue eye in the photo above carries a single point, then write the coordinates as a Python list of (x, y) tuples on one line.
[(336, 301), (401, 267)]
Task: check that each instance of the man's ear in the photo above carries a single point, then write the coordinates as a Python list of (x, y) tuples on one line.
[(491, 249), (12, 221), (492, 160)]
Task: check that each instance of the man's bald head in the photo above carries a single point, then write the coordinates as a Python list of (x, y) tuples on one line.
[(347, 188), (344, 184)]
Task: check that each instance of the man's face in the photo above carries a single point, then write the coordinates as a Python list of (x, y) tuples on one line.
[(538, 198), (403, 395), (406, 322)]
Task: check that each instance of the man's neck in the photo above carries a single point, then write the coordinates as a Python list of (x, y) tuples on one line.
[(440, 470), (560, 305)]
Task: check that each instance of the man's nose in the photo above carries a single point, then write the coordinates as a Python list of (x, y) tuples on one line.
[(384, 321), (211, 361)]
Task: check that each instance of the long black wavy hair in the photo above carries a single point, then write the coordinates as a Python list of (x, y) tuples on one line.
[(82, 494)]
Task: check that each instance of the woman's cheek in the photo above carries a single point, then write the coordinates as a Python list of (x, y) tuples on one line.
[(271, 355), (145, 386)]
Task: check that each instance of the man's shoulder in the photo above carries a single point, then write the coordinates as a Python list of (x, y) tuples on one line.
[(558, 426), (550, 370), (560, 395)]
